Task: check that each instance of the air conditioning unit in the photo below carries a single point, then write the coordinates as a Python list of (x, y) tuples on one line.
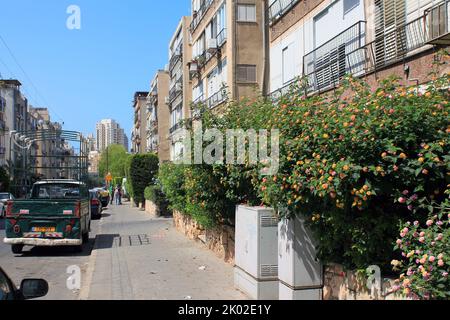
[(167, 100), (193, 66), (212, 45), (299, 271), (256, 239)]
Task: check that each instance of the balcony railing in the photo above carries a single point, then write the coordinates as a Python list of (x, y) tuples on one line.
[(175, 127), (328, 63), (197, 16), (216, 99), (221, 37), (196, 105), (279, 8), (437, 21), (176, 90)]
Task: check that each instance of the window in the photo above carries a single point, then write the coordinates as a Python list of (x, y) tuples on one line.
[(246, 13), (246, 73), (349, 5), (288, 64)]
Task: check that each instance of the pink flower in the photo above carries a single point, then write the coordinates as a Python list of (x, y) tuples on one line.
[(405, 230), (439, 223), (445, 274), (402, 200), (432, 258), (440, 237), (416, 235), (422, 240), (399, 242), (416, 223), (441, 263), (441, 256), (410, 207), (429, 223), (422, 234), (405, 193)]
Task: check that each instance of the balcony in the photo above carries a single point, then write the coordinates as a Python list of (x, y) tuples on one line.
[(175, 127), (437, 22), (216, 99), (197, 16), (197, 104), (327, 64), (279, 8), (221, 38), (176, 57), (176, 90)]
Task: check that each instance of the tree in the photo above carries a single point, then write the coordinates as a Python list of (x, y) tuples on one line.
[(116, 155), (142, 171)]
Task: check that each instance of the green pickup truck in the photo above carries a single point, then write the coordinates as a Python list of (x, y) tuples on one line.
[(56, 213)]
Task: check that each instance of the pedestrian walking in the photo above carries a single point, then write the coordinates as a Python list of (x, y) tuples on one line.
[(120, 194), (117, 195), (111, 193)]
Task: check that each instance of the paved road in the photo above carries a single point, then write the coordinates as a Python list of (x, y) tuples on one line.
[(47, 263), (130, 256)]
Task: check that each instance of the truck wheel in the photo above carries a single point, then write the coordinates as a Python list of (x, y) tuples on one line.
[(17, 248)]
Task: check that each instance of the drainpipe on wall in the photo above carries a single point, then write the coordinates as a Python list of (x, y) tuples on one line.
[(266, 49)]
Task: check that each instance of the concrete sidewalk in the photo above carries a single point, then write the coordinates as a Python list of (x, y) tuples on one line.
[(136, 257)]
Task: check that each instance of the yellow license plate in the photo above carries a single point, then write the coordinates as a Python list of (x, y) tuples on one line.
[(44, 229)]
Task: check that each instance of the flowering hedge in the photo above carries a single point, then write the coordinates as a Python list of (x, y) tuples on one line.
[(357, 163), (350, 162), (425, 256)]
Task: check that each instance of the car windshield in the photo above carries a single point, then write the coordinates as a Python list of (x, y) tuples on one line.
[(4, 196), (56, 191)]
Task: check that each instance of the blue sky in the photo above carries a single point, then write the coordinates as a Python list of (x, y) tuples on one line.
[(89, 74)]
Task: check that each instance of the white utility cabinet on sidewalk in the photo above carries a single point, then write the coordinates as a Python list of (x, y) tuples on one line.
[(256, 270), (300, 273)]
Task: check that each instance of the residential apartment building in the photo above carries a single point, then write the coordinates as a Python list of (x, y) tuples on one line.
[(48, 156), (109, 132), (140, 115), (92, 145), (180, 90), (228, 51), (13, 116), (158, 116), (324, 40)]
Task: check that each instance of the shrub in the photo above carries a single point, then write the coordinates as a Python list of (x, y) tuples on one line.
[(155, 194), (425, 256), (171, 177), (350, 161), (142, 171)]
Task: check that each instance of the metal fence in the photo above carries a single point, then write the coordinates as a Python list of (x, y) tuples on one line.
[(279, 7)]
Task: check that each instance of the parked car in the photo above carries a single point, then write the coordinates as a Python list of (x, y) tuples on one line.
[(104, 196), (58, 213), (29, 288), (96, 204), (4, 197)]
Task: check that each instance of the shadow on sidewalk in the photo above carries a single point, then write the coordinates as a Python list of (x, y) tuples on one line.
[(105, 241)]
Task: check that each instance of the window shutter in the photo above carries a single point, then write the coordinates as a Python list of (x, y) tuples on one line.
[(390, 41), (246, 73)]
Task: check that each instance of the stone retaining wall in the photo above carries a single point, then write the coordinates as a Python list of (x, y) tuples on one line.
[(220, 240), (346, 285), (339, 284)]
